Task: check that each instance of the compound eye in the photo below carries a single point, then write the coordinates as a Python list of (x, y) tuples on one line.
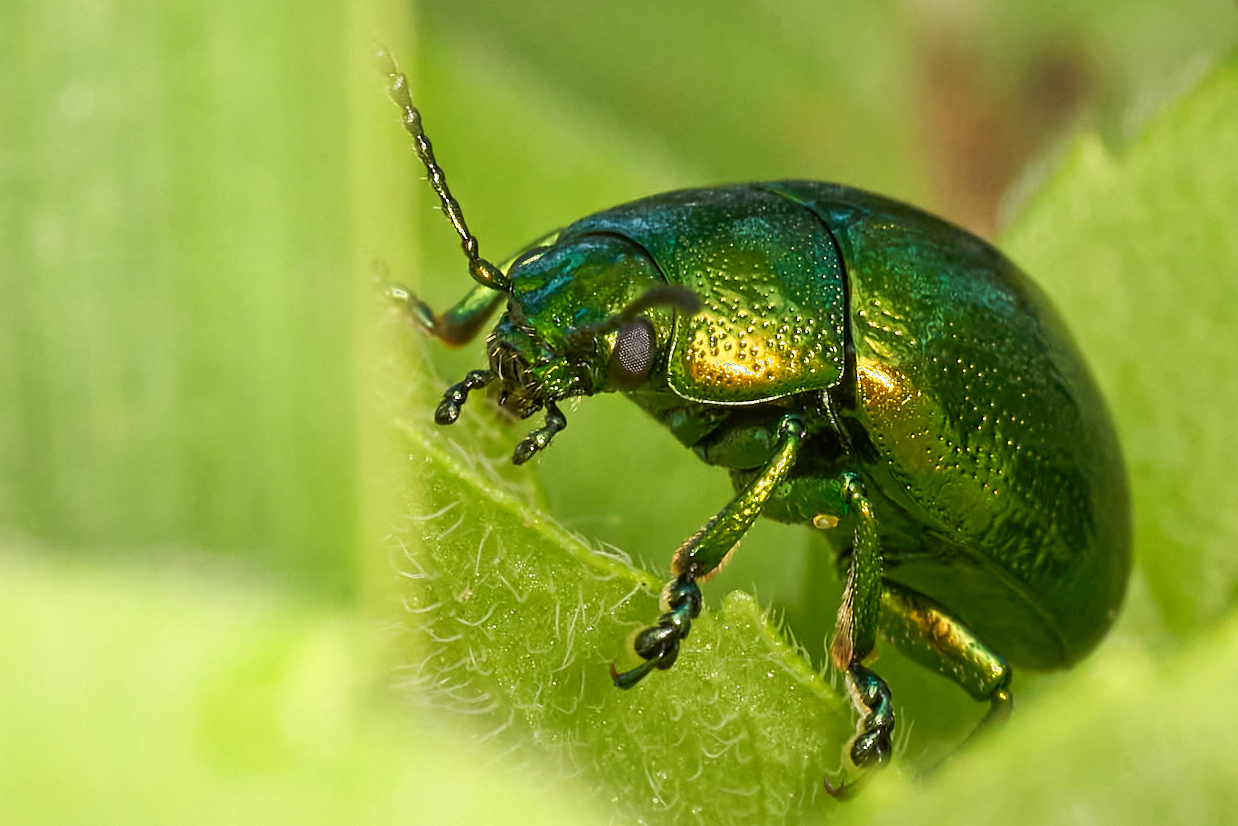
[(635, 348)]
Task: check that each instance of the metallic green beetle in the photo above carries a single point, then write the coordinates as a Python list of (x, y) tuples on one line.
[(858, 365)]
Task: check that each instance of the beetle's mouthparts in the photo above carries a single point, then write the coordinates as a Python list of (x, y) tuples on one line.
[(521, 393), (507, 363)]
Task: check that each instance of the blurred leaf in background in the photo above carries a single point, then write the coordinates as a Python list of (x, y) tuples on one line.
[(191, 196), (176, 340), (187, 694)]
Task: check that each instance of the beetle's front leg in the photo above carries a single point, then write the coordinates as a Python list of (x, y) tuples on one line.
[(704, 553), (456, 326), (454, 397), (540, 438), (856, 632)]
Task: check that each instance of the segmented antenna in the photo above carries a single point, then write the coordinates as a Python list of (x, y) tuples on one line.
[(681, 298), (397, 89)]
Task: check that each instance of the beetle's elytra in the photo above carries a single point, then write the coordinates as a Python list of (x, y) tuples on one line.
[(857, 365)]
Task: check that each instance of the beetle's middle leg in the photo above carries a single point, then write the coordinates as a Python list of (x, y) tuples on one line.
[(704, 553), (855, 633)]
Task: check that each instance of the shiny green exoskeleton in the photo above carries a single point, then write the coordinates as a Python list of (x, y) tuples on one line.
[(858, 366)]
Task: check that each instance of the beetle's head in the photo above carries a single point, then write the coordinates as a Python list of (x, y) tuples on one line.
[(585, 316)]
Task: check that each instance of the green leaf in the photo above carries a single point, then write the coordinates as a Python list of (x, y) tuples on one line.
[(511, 622)]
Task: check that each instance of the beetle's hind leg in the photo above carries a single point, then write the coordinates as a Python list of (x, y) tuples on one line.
[(704, 553), (927, 634)]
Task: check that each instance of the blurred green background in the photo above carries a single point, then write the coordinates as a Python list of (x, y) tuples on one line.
[(196, 623)]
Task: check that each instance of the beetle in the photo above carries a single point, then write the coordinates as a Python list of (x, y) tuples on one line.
[(857, 365)]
